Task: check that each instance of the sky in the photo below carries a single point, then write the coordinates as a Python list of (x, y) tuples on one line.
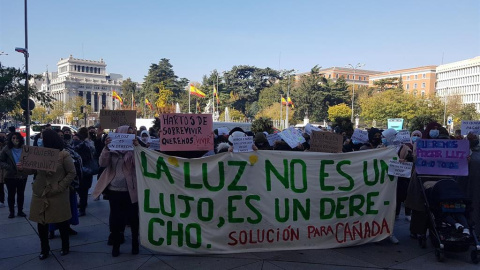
[(202, 36)]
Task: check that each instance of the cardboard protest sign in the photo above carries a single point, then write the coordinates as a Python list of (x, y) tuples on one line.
[(403, 136), (470, 126), (39, 158), (110, 119), (186, 132), (263, 201), (400, 169), (242, 144), (121, 141), (442, 157), (292, 137), (154, 144), (360, 136), (272, 138), (326, 142)]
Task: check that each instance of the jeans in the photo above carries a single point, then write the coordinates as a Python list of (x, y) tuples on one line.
[(16, 186)]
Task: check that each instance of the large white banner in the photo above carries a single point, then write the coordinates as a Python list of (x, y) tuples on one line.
[(264, 200)]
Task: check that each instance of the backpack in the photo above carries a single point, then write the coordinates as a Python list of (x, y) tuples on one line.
[(77, 162), (89, 164)]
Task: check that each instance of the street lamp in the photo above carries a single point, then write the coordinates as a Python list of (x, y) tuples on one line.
[(353, 89)]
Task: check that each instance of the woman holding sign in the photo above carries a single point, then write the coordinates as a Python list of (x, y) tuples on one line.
[(119, 182), (15, 179), (51, 196)]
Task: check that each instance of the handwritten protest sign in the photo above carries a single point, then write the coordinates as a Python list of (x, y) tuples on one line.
[(272, 138), (403, 136), (326, 142), (292, 137), (154, 144), (360, 136), (442, 157), (242, 144), (395, 123), (263, 201), (185, 132), (309, 128), (121, 141), (39, 158), (110, 119), (400, 169), (470, 126)]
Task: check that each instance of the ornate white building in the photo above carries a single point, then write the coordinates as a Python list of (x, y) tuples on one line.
[(460, 78), (83, 78)]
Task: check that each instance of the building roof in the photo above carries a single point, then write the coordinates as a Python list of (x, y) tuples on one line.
[(406, 71)]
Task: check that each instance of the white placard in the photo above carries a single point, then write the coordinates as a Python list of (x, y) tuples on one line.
[(403, 137), (121, 141), (360, 136), (292, 137), (309, 128), (470, 126), (242, 144), (272, 138), (154, 144), (400, 169)]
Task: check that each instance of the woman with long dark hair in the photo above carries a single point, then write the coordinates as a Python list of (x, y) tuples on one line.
[(51, 196), (15, 177), (120, 183)]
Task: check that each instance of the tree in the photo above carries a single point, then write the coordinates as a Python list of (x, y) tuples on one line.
[(12, 90), (262, 124), (129, 90), (270, 95), (467, 112), (340, 110), (247, 82), (387, 84), (273, 112), (310, 96), (162, 103), (235, 115)]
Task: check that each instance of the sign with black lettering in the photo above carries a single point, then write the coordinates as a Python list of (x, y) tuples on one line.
[(186, 132), (110, 119), (39, 158)]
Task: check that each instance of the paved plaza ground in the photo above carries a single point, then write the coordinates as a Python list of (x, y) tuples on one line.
[(20, 246)]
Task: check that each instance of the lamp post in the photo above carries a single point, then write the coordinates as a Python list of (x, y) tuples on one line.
[(353, 89), (24, 51)]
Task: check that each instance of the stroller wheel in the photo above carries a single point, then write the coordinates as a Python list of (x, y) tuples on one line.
[(474, 256), (440, 254)]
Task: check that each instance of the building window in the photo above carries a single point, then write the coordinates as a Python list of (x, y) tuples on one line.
[(416, 77), (329, 76), (424, 76), (408, 86), (336, 76), (415, 92), (414, 86), (348, 77), (423, 93), (364, 78), (423, 85)]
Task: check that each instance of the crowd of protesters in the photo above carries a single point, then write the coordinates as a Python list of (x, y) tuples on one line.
[(60, 198)]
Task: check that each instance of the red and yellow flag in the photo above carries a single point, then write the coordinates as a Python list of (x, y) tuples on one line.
[(215, 93), (116, 96), (284, 102), (194, 91), (290, 102), (148, 104)]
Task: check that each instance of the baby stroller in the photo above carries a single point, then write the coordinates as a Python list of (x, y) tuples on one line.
[(449, 217)]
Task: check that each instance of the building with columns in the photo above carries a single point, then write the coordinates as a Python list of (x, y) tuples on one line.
[(462, 79), (87, 79)]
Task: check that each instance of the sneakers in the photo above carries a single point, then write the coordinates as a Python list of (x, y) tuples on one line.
[(466, 232), (21, 214), (408, 218), (393, 239), (12, 215)]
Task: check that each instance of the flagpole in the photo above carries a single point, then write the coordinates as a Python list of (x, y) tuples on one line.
[(189, 94), (281, 106), (286, 105), (132, 101), (213, 101)]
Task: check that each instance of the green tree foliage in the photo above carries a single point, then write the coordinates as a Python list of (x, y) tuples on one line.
[(270, 95), (262, 124), (162, 73), (129, 89), (419, 122), (12, 90), (315, 94), (340, 110), (343, 124), (387, 84), (246, 82)]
